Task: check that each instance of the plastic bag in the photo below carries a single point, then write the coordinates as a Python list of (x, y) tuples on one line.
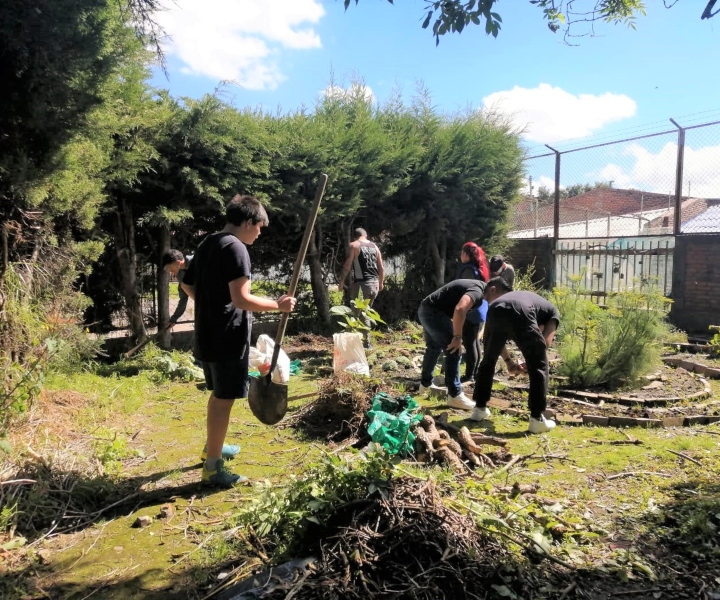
[(349, 354), (391, 421), (261, 356)]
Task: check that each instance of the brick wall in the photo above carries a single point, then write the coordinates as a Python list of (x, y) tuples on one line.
[(696, 283), (524, 252)]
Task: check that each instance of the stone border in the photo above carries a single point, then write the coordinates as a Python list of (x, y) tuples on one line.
[(692, 366), (600, 399), (591, 399), (503, 406)]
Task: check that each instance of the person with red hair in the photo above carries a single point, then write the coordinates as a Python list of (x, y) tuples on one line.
[(473, 265)]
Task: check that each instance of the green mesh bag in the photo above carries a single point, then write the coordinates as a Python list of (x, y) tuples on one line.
[(391, 421)]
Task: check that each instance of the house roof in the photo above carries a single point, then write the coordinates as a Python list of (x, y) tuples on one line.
[(706, 222), (598, 203)]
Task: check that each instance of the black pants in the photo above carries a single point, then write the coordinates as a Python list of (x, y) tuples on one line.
[(503, 324), (471, 342)]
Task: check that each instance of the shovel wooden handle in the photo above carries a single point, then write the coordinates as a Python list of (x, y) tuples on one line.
[(297, 269)]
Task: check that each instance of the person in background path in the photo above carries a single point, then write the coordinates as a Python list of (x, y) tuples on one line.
[(473, 265), (176, 263), (365, 262), (530, 321), (442, 315), (499, 268), (218, 280)]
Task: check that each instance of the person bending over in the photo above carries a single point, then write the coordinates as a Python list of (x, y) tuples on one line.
[(442, 315), (530, 321)]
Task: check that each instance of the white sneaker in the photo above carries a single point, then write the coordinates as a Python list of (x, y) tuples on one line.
[(540, 425), (480, 413), (460, 401), (432, 390)]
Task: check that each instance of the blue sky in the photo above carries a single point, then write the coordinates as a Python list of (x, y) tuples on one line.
[(283, 54)]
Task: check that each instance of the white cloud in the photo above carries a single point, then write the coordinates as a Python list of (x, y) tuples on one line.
[(239, 40), (355, 89), (655, 172), (543, 181), (550, 114)]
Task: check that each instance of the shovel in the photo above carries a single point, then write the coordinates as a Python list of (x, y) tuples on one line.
[(269, 400)]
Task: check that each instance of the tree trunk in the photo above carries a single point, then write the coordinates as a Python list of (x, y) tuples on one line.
[(437, 254), (127, 258), (164, 338), (320, 294)]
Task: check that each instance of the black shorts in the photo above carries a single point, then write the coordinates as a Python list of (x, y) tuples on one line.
[(228, 379)]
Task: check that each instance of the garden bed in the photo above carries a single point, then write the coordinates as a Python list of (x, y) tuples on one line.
[(669, 398)]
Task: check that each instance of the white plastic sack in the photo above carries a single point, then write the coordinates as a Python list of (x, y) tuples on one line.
[(261, 356), (349, 354)]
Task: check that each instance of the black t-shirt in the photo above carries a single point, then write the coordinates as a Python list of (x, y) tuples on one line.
[(446, 298), (222, 331), (535, 309)]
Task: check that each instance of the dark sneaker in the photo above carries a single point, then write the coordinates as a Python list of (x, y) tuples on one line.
[(221, 476), (229, 451)]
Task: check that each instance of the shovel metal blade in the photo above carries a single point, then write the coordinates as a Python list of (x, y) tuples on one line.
[(268, 400)]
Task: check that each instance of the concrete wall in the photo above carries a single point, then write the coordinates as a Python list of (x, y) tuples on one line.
[(696, 283), (524, 253)]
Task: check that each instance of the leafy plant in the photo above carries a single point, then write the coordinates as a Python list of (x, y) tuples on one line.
[(281, 515), (525, 279), (714, 343), (611, 346), (362, 317), (161, 364), (111, 448)]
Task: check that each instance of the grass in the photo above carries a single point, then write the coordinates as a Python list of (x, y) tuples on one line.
[(160, 428)]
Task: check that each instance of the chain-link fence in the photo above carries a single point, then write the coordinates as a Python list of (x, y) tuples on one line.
[(701, 179), (636, 187)]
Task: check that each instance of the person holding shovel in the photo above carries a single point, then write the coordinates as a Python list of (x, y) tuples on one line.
[(530, 321), (218, 280)]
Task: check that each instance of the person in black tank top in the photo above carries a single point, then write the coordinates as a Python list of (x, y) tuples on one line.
[(364, 261)]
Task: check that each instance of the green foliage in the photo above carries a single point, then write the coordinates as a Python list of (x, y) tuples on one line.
[(453, 16), (714, 343), (161, 365), (39, 325), (611, 346), (525, 279), (111, 449), (281, 516), (362, 317)]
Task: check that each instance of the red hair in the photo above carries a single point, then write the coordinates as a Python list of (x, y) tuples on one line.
[(477, 257)]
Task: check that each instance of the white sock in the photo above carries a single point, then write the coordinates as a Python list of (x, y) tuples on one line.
[(211, 463)]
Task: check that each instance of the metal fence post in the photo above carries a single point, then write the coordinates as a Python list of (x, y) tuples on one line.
[(677, 225), (556, 211)]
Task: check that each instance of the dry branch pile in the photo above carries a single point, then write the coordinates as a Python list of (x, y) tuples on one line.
[(338, 414), (409, 545)]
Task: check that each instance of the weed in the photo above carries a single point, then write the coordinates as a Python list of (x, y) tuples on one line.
[(111, 449), (714, 343)]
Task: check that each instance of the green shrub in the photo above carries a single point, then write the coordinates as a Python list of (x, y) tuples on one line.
[(611, 346)]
